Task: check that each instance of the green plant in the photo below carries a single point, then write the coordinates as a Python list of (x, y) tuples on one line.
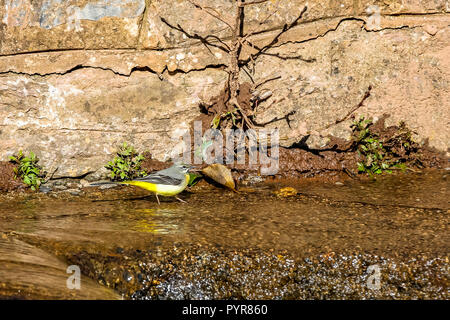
[(383, 149), (126, 165), (194, 178), (28, 169), (375, 158), (230, 115)]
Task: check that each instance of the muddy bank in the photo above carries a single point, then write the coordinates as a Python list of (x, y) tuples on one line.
[(341, 157), (7, 181), (338, 160)]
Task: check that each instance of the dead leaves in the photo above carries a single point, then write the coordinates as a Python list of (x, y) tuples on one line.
[(220, 174)]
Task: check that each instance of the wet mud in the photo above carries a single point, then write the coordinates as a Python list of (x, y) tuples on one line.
[(7, 180)]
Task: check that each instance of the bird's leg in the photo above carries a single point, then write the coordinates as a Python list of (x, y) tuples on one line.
[(157, 198), (181, 200)]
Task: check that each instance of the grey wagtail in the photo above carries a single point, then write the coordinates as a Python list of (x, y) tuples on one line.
[(167, 182)]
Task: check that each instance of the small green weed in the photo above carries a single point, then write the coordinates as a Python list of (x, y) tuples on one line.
[(194, 178), (382, 154), (28, 169), (370, 148), (126, 165)]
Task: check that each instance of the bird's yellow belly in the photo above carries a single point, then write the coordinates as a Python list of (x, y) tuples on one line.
[(162, 189), (165, 190)]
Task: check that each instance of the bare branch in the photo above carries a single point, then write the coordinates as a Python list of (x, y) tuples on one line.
[(248, 3), (286, 27), (248, 74), (204, 40), (236, 46), (253, 32), (267, 80), (212, 12), (285, 117), (297, 57), (366, 95)]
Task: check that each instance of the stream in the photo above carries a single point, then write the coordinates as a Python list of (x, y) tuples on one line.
[(382, 239)]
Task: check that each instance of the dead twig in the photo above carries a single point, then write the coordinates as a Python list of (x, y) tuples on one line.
[(228, 109), (50, 175), (275, 39), (212, 12), (366, 95), (264, 81), (202, 39), (285, 117), (248, 3)]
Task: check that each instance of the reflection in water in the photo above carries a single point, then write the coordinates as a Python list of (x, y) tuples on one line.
[(155, 221), (26, 214)]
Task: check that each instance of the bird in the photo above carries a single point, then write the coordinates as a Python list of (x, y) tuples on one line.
[(167, 182)]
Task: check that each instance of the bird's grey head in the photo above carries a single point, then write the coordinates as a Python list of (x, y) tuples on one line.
[(184, 167)]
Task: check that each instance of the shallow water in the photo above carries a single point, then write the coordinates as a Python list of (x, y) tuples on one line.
[(396, 217)]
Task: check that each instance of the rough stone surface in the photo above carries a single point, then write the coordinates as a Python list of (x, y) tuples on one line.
[(77, 78), (75, 122)]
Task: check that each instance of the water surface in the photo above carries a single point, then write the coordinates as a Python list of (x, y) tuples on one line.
[(394, 217)]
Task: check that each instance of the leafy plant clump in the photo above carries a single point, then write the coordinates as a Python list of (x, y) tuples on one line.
[(28, 170), (126, 165), (194, 178), (381, 154)]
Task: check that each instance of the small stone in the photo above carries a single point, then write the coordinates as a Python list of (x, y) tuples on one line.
[(338, 183), (84, 183), (74, 192), (119, 250), (72, 185), (108, 186), (253, 179), (45, 189)]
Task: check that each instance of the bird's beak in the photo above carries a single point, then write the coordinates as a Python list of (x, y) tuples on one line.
[(193, 168)]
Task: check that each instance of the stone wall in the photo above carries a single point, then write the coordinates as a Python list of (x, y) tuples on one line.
[(79, 77)]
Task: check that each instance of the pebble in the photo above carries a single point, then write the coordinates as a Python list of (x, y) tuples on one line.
[(60, 188), (254, 179), (84, 183), (74, 192), (45, 189), (108, 186)]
